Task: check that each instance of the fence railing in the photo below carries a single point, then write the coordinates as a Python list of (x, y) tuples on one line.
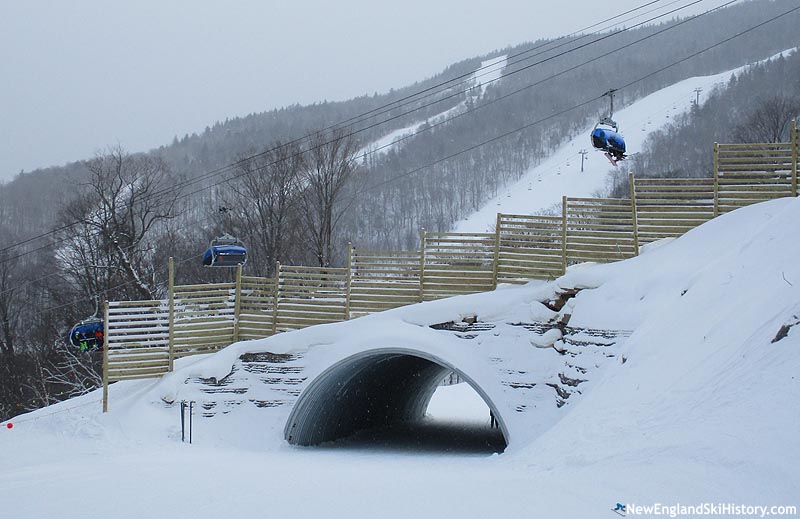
[(143, 338), (528, 247), (382, 280), (670, 207), (456, 263)]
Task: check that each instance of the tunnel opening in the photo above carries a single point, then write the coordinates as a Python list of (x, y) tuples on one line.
[(378, 399)]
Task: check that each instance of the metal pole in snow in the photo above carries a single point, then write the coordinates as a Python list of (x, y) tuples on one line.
[(191, 408), (183, 426)]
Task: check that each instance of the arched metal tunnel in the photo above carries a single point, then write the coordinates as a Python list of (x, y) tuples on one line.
[(369, 390)]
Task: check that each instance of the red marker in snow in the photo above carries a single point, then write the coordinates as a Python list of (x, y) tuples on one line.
[(10, 425)]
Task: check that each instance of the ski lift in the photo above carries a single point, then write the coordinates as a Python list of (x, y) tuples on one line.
[(88, 334), (605, 136), (225, 251)]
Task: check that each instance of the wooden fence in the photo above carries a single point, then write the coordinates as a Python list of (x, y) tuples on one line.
[(382, 280), (309, 296), (528, 247), (667, 208), (746, 174), (143, 338), (599, 229), (456, 263)]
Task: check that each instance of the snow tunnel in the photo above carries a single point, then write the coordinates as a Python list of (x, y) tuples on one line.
[(370, 390)]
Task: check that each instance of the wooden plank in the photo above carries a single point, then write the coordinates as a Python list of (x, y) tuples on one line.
[(307, 268), (183, 315), (215, 333), (184, 351), (191, 353), (553, 260), (162, 357), (130, 372), (384, 294), (374, 252), (394, 298), (460, 250), (204, 287), (298, 276), (751, 147), (112, 305), (362, 284), (750, 180), (554, 235), (526, 217), (312, 316), (224, 339), (576, 255), (532, 268), (599, 243), (160, 365), (295, 323), (646, 182), (121, 377), (377, 306), (300, 304), (452, 235), (529, 254), (137, 347), (729, 197), (694, 221)]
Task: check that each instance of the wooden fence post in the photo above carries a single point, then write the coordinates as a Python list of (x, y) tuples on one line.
[(105, 357), (564, 234), (171, 296), (794, 157), (347, 281), (496, 259), (422, 264), (716, 180), (237, 303), (635, 218), (275, 297)]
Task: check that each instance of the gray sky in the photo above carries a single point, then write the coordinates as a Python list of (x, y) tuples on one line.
[(81, 75)]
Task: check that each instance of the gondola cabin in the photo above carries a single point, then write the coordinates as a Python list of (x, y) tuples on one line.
[(88, 334), (225, 251), (608, 140), (605, 137)]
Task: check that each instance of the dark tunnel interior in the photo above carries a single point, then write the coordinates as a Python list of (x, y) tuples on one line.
[(380, 396)]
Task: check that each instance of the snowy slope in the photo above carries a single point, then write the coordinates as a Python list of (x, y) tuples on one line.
[(703, 409), (542, 187), (489, 72)]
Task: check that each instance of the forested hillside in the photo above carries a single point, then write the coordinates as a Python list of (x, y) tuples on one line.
[(298, 183)]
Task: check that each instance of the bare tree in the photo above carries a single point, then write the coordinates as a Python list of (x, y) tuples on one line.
[(769, 122), (126, 198), (74, 373), (264, 197), (330, 163)]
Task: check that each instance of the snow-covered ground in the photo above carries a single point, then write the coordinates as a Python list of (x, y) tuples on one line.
[(704, 409), (542, 187)]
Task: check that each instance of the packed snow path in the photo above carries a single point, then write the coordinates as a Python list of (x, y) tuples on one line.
[(365, 374)]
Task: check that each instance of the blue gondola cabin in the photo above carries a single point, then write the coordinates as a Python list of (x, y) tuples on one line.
[(87, 335), (225, 251)]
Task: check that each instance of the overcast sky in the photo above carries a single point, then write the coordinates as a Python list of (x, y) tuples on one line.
[(78, 76)]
